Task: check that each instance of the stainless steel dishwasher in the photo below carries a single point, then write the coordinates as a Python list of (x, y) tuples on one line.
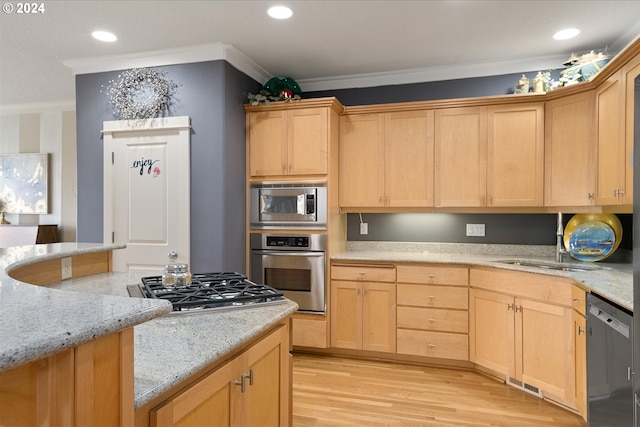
[(609, 361)]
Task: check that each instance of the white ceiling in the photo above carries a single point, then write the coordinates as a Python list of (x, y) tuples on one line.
[(325, 45)]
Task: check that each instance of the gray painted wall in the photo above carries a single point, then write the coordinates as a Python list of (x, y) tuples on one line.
[(429, 91), (211, 93)]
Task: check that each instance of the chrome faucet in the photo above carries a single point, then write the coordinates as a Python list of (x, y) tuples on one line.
[(560, 250)]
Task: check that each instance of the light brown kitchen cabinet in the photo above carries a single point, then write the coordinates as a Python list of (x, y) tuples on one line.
[(570, 163), (250, 390), (432, 313), (363, 307), (615, 106), (630, 73), (529, 341), (612, 154), (533, 336), (460, 157), (489, 156), (89, 385), (386, 159), (580, 360), (289, 139), (515, 155)]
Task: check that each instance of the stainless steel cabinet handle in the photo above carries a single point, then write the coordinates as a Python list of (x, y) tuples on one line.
[(580, 330), (243, 377), (431, 345), (243, 388), (250, 376)]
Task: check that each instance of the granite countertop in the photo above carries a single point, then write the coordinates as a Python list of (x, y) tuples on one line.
[(37, 321), (171, 348), (612, 280)]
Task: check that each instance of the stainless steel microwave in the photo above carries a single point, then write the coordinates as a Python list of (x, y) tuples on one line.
[(288, 206)]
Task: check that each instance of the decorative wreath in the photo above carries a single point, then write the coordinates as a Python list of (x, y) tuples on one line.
[(140, 93)]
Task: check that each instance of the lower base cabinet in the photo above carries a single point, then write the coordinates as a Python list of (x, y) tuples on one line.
[(538, 344), (252, 389), (88, 385), (363, 307)]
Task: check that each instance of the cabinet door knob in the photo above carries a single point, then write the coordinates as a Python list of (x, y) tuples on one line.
[(430, 345)]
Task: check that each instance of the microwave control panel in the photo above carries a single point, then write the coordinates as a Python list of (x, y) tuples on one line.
[(288, 241)]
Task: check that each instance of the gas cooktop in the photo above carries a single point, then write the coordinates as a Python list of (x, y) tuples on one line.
[(208, 291)]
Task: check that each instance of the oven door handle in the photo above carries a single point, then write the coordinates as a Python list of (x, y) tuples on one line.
[(289, 253)]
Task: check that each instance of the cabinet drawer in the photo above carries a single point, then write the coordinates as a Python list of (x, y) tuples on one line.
[(433, 344), (433, 296), (432, 275), (369, 273), (433, 319)]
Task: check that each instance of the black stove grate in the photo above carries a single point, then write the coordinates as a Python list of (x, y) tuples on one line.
[(211, 290)]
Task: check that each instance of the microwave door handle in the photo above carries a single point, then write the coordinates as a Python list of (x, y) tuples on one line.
[(291, 253)]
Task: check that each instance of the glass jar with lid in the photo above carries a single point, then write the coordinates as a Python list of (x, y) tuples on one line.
[(177, 276)]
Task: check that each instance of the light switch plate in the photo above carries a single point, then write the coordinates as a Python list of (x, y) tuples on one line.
[(475, 230)]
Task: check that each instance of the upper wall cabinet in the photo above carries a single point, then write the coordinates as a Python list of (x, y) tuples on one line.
[(570, 150), (611, 184), (291, 138), (386, 159), (489, 156)]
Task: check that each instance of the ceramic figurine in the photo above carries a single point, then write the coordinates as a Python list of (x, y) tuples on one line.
[(538, 83), (523, 85)]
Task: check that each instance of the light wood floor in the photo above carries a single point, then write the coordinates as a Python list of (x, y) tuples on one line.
[(330, 392)]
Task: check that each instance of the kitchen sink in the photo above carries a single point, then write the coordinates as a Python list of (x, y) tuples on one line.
[(559, 266)]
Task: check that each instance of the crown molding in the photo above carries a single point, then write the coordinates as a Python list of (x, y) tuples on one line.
[(182, 55), (37, 107)]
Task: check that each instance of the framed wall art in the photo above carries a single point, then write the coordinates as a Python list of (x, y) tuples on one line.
[(23, 183)]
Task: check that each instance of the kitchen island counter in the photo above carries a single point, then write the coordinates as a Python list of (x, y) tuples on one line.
[(172, 348), (37, 321), (612, 280)]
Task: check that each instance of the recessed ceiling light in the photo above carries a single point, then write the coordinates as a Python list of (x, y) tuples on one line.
[(569, 33), (104, 36), (280, 12)]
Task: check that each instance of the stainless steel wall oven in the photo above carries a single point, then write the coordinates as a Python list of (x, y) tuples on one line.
[(294, 264)]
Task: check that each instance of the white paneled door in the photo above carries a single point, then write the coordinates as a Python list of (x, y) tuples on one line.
[(146, 192)]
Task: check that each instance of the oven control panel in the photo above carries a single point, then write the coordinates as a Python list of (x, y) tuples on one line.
[(288, 241)]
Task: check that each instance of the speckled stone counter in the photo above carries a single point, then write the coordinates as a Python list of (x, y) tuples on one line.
[(37, 321), (171, 348), (613, 280)]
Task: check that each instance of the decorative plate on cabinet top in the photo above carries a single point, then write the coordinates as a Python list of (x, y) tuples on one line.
[(592, 237)]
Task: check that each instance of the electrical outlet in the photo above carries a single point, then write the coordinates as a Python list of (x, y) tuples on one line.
[(364, 228), (65, 268), (476, 230)]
